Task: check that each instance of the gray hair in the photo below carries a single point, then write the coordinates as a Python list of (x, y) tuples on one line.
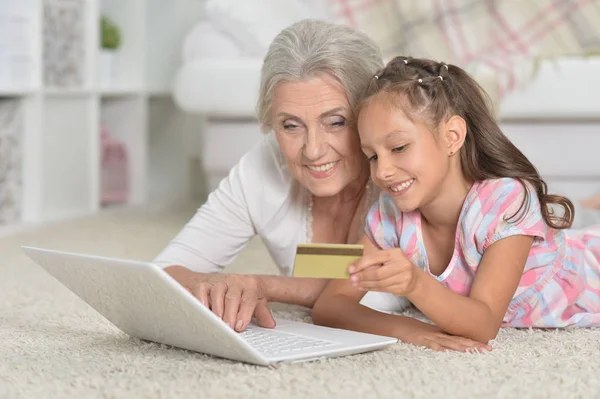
[(309, 47)]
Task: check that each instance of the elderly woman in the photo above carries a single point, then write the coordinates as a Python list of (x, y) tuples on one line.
[(307, 181)]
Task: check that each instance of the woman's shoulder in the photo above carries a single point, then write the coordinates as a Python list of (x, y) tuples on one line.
[(266, 156), (268, 185), (264, 167)]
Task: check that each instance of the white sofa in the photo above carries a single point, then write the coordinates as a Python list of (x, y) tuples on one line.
[(555, 119)]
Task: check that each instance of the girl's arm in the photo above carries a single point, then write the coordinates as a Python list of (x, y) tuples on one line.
[(338, 306), (478, 316)]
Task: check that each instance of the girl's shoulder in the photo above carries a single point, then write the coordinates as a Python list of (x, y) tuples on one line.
[(504, 188), (497, 197), (498, 207), (501, 195)]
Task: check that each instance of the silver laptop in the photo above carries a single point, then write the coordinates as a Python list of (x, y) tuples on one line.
[(143, 301)]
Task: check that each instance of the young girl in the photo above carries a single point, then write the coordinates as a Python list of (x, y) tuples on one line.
[(464, 226)]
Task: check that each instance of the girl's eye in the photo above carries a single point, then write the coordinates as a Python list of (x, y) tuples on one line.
[(399, 149), (373, 158)]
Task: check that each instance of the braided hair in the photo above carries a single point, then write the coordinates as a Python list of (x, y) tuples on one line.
[(434, 92)]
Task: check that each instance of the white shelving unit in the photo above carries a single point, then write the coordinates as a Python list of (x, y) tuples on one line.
[(49, 60)]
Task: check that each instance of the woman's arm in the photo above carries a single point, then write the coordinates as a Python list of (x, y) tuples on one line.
[(221, 227), (293, 290), (235, 298), (219, 231), (339, 306), (478, 316)]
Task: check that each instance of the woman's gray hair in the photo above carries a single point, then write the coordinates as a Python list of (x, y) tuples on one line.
[(310, 47)]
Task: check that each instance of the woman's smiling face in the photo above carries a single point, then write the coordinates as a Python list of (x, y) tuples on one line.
[(311, 121)]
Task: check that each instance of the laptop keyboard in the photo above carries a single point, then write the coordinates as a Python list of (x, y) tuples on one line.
[(275, 342)]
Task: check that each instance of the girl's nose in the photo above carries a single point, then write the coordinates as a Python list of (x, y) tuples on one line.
[(385, 169)]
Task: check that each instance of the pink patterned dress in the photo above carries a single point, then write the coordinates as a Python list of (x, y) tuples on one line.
[(560, 286)]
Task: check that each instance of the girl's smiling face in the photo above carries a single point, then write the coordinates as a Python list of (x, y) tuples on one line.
[(408, 161)]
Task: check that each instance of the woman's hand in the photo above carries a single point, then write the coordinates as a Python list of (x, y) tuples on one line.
[(386, 271), (438, 340), (234, 298)]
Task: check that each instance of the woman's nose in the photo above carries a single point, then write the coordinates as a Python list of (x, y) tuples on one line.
[(315, 146)]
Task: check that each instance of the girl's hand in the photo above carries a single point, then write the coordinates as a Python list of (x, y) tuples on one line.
[(438, 340), (386, 271)]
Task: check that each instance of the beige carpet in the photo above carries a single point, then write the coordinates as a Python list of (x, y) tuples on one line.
[(52, 345)]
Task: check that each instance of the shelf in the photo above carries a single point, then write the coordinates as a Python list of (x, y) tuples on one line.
[(120, 92), (11, 165), (65, 43), (69, 157), (129, 63), (58, 92), (160, 93), (52, 67), (15, 92), (124, 118), (104, 92)]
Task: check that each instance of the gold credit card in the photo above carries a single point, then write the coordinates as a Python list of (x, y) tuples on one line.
[(325, 260)]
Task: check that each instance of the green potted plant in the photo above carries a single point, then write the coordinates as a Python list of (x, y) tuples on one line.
[(110, 42)]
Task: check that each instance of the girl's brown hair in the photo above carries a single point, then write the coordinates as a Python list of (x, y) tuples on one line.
[(435, 92)]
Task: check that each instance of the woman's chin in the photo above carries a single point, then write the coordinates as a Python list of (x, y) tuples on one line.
[(325, 188), (326, 184)]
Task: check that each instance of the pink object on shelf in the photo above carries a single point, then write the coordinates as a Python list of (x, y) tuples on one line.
[(114, 170)]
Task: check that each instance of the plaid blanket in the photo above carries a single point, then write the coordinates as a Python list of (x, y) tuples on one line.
[(497, 41)]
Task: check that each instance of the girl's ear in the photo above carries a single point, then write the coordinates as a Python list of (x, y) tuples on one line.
[(455, 132)]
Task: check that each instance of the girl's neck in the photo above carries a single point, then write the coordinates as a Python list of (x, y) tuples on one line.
[(443, 211)]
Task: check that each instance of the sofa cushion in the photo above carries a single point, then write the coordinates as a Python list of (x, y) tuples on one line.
[(218, 87), (253, 24), (204, 40)]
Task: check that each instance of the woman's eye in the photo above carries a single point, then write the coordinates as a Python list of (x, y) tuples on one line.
[(399, 149), (335, 122), (289, 126), (373, 158)]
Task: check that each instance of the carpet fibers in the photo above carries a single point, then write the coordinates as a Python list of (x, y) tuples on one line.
[(53, 345)]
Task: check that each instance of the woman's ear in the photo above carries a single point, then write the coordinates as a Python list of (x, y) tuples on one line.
[(455, 132)]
